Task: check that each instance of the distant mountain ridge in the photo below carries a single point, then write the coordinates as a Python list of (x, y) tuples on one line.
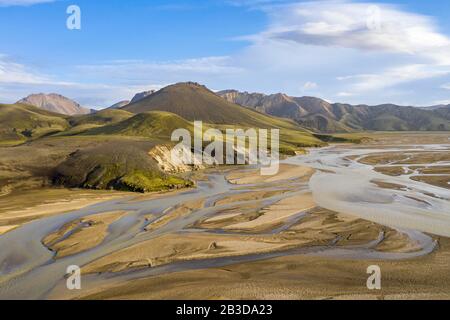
[(323, 116), (142, 95), (443, 111), (136, 98), (119, 104), (55, 103)]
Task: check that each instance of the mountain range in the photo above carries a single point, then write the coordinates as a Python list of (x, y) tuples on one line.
[(192, 101), (154, 117), (323, 116)]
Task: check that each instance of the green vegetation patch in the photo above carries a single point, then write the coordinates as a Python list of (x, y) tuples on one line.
[(154, 124), (19, 123)]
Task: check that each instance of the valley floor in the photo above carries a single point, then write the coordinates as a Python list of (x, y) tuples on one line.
[(238, 235)]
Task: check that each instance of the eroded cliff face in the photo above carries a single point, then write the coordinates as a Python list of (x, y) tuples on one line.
[(162, 155)]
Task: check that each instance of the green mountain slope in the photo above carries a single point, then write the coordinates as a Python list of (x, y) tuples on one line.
[(154, 124), (19, 123), (102, 117), (81, 124), (192, 101)]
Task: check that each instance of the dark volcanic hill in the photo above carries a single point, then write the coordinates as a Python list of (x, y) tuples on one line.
[(323, 116), (193, 101)]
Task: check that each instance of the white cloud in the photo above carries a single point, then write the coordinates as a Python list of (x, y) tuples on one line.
[(345, 94), (15, 73), (394, 76), (309, 85), (138, 68), (379, 46), (446, 86), (106, 83), (348, 25), (18, 80), (7, 3), (442, 102)]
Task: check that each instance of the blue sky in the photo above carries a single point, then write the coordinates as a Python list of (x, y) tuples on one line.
[(342, 51)]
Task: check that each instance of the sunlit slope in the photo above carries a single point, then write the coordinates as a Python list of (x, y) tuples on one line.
[(159, 126), (19, 123), (83, 123), (102, 117), (154, 124)]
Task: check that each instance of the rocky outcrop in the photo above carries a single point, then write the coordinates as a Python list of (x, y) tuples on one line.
[(163, 156)]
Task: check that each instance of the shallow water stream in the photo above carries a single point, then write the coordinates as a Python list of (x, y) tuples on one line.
[(28, 269)]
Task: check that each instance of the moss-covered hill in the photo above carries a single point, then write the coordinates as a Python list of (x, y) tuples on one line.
[(20, 122), (153, 125), (121, 166)]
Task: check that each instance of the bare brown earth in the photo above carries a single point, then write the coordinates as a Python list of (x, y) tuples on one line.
[(21, 207), (175, 213), (387, 185), (297, 277), (392, 171), (81, 234), (285, 172), (290, 277), (416, 163), (440, 181)]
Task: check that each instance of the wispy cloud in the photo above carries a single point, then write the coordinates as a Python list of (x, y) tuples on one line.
[(394, 76), (140, 73), (141, 69), (344, 94), (309, 85), (364, 26), (18, 80), (8, 3), (442, 102), (12, 72)]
